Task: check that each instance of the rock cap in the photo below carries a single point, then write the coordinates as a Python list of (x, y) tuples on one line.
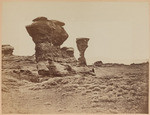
[(82, 39)]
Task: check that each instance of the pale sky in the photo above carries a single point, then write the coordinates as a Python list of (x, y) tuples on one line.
[(118, 31)]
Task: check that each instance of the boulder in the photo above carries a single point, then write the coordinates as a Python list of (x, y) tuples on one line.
[(68, 51), (52, 68), (59, 70), (44, 30), (42, 67)]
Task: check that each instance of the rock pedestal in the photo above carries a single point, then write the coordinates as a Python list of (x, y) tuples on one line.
[(48, 36), (82, 44)]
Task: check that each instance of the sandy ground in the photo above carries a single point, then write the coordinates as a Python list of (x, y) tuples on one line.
[(121, 89)]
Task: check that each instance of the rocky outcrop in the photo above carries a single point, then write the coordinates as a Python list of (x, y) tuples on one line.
[(20, 67), (7, 50), (48, 36), (68, 51), (98, 63), (82, 44)]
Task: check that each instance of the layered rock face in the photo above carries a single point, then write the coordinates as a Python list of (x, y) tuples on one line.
[(48, 36), (82, 44), (7, 50)]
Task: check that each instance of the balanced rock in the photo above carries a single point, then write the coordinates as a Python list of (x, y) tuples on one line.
[(48, 36), (44, 30), (82, 44), (7, 50)]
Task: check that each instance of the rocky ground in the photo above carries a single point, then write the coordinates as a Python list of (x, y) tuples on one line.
[(114, 89)]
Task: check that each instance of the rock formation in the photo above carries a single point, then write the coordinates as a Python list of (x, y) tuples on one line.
[(98, 63), (68, 50), (82, 44), (48, 36), (7, 50)]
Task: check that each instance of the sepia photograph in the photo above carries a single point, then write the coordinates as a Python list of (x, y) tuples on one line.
[(75, 57)]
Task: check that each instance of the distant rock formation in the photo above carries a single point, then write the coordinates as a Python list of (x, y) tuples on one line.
[(98, 63), (7, 50), (82, 44), (48, 36)]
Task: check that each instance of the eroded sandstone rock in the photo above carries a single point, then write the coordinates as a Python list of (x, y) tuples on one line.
[(44, 30), (82, 44), (7, 50), (48, 36), (68, 50)]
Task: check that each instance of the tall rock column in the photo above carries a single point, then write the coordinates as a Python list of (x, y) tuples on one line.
[(48, 36), (82, 44)]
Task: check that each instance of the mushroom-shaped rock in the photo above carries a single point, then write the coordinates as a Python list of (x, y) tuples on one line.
[(48, 36), (7, 50), (43, 30), (82, 44)]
